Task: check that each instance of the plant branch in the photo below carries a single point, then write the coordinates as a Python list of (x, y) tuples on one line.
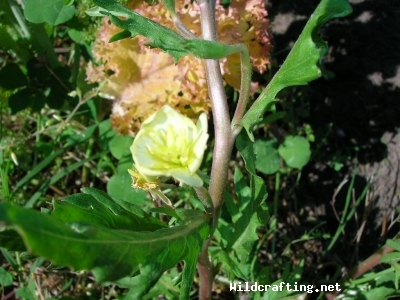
[(223, 142), (245, 83), (223, 133)]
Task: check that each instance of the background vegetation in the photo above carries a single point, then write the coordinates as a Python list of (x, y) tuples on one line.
[(325, 217)]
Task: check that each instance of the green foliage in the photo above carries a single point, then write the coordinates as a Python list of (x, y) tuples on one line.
[(268, 160), (5, 278), (111, 253), (373, 286), (119, 146), (96, 207), (11, 77), (159, 36), (295, 152), (238, 233), (114, 235), (300, 67), (53, 12)]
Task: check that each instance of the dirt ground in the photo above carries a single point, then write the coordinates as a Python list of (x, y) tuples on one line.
[(359, 95)]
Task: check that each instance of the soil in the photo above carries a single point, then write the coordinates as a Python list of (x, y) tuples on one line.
[(354, 111)]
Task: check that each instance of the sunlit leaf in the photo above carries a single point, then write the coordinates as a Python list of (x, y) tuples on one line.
[(158, 35), (239, 234), (96, 207), (295, 150), (113, 253), (300, 67), (267, 156), (53, 12)]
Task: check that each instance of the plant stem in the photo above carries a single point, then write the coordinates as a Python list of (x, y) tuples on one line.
[(276, 200), (224, 140), (245, 83), (205, 269)]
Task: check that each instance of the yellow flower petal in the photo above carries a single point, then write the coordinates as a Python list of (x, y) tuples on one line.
[(170, 144)]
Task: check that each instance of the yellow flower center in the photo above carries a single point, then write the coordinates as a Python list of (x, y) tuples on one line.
[(171, 146)]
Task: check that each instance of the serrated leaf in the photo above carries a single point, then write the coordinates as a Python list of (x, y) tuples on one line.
[(300, 67), (53, 12), (247, 214), (295, 150), (158, 35), (253, 215), (113, 253)]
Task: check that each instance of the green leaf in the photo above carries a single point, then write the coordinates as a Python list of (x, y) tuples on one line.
[(10, 240), (295, 150), (113, 253), (37, 101), (20, 100), (239, 235), (105, 133), (159, 36), (390, 257), (96, 207), (11, 77), (120, 146), (5, 278), (267, 156), (300, 67), (53, 12), (119, 187), (27, 292), (395, 244), (252, 213), (75, 137), (59, 87), (76, 30)]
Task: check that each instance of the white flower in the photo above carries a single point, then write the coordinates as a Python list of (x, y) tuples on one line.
[(170, 144)]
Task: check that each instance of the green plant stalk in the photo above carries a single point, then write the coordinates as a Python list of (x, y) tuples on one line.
[(276, 199), (32, 201), (365, 266), (44, 163), (4, 168), (343, 222), (85, 169), (19, 17), (36, 33), (370, 277)]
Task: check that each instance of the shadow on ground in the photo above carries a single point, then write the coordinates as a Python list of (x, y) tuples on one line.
[(354, 111)]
